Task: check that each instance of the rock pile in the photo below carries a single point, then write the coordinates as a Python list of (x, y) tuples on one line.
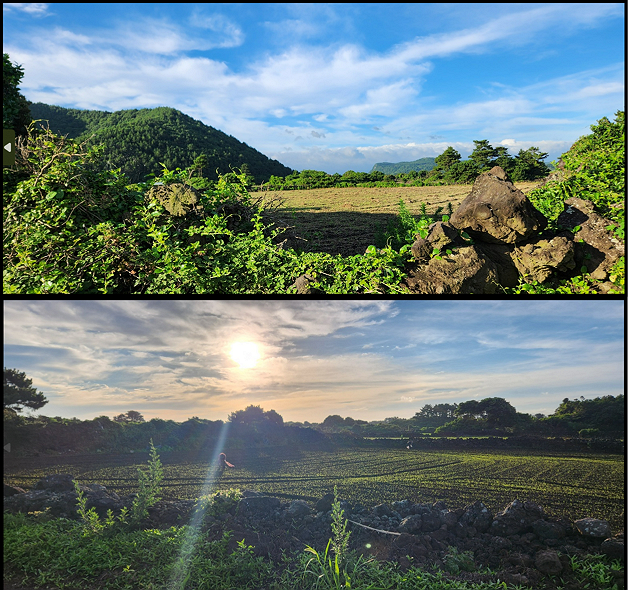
[(56, 493), (509, 243), (521, 542)]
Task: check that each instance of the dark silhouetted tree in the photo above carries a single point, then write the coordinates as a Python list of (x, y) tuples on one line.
[(15, 111), (19, 392), (496, 411), (247, 416), (130, 416), (333, 421), (274, 417)]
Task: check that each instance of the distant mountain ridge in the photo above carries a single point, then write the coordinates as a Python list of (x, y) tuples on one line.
[(137, 140), (404, 167)]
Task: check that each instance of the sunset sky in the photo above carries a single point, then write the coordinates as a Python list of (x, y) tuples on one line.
[(335, 87), (309, 359)]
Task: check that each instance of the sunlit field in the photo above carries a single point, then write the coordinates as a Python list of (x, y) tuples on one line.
[(565, 485)]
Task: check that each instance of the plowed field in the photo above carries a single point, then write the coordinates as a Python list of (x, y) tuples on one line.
[(565, 485)]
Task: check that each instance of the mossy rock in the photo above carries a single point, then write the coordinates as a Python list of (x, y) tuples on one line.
[(178, 198)]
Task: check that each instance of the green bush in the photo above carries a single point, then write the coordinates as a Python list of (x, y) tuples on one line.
[(70, 227), (589, 432), (595, 170)]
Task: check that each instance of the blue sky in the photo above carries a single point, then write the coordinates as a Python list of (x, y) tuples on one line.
[(368, 360), (336, 87)]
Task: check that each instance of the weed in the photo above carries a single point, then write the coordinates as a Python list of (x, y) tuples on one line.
[(147, 497), (148, 487), (340, 536), (454, 561), (403, 229), (220, 502)]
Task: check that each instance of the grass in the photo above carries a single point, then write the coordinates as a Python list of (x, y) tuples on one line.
[(345, 221)]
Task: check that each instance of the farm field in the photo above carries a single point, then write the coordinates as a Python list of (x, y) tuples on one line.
[(345, 220), (570, 486)]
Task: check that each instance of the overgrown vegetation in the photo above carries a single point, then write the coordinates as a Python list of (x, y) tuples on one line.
[(71, 229), (120, 553), (147, 496), (72, 225), (594, 169)]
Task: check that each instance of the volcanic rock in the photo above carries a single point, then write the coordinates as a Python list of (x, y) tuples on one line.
[(382, 510), (178, 198), (614, 548), (324, 504), (593, 527), (411, 524), (258, 505), (548, 562), (497, 212), (476, 516), (466, 271), (57, 482), (298, 508), (12, 490), (548, 530), (536, 261), (516, 518), (597, 248), (57, 494), (431, 521)]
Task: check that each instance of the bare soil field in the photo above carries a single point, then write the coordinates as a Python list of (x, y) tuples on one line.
[(346, 220)]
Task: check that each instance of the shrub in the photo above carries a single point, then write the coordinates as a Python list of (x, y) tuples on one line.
[(589, 432)]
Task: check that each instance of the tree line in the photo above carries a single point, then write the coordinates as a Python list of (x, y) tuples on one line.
[(602, 416), (449, 169)]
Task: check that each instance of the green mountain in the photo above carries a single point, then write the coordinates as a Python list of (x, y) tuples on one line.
[(403, 167), (138, 140)]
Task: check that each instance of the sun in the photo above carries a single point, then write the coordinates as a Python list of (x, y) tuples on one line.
[(246, 354)]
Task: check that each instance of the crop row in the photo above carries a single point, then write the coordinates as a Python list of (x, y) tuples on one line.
[(568, 486)]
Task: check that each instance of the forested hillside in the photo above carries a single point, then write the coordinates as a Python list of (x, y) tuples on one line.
[(138, 140), (405, 167)]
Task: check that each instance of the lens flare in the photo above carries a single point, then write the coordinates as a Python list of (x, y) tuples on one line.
[(182, 566)]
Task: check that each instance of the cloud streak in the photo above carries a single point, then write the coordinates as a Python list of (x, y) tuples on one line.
[(313, 87), (371, 360)]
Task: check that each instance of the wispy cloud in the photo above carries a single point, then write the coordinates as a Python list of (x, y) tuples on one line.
[(301, 88), (369, 359), (30, 8)]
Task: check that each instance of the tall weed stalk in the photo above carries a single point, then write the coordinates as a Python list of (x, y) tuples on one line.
[(148, 496)]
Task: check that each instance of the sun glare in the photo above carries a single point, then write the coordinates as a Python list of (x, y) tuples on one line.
[(246, 354)]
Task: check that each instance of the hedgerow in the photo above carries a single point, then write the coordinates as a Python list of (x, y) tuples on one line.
[(70, 227)]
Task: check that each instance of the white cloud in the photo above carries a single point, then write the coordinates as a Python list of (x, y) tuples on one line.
[(30, 8), (341, 86), (171, 357)]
